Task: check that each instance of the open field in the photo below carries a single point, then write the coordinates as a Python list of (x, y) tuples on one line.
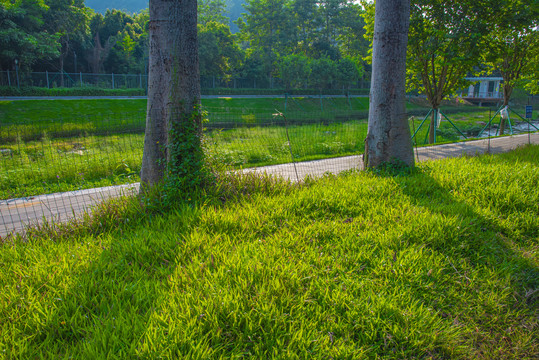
[(42, 154), (441, 263), (31, 119)]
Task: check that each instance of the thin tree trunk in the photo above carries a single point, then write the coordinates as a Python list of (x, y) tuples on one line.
[(173, 84), (432, 127), (62, 70), (388, 139), (507, 90)]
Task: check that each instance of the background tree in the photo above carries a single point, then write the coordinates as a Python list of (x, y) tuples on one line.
[(444, 46), (172, 143), (69, 20), (351, 37), (265, 30), (388, 138), (532, 78), (218, 52), (348, 72), (212, 11), (21, 34), (512, 48), (305, 19), (294, 71), (323, 73)]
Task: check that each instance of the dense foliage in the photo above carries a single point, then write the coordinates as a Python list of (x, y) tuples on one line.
[(450, 40), (286, 43), (67, 36)]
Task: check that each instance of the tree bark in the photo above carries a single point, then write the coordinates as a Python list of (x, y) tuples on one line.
[(62, 84), (173, 83), (507, 91), (433, 124), (388, 139)]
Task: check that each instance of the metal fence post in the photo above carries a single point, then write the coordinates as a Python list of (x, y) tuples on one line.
[(47, 74), (113, 80), (140, 80), (80, 79), (8, 79)]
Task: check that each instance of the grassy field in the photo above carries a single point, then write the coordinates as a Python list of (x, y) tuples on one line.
[(441, 263), (33, 119), (51, 165), (43, 153)]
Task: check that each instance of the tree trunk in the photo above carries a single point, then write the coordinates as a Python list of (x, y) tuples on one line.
[(62, 84), (388, 139), (432, 127), (507, 90), (173, 115)]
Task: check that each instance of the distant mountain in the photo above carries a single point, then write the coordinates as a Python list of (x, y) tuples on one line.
[(234, 7), (130, 6)]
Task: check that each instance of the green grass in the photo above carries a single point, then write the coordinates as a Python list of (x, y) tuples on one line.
[(441, 263), (51, 165), (62, 145), (48, 166), (31, 119)]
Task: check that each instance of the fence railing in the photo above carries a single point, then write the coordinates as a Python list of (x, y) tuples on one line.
[(129, 81), (95, 157), (69, 80)]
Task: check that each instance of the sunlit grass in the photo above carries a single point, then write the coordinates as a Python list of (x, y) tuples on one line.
[(441, 263), (53, 146), (53, 165)]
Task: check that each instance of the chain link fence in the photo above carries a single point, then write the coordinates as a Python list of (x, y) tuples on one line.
[(52, 80), (56, 169)]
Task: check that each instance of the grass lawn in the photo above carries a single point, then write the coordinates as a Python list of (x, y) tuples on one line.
[(50, 146), (442, 263), (51, 165), (31, 119)]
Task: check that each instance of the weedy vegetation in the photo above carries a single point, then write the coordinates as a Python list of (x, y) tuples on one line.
[(440, 262)]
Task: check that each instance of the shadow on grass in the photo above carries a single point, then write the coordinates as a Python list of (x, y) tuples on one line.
[(129, 277), (103, 309), (488, 256)]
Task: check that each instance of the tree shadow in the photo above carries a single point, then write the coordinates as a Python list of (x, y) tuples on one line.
[(123, 283), (486, 245)]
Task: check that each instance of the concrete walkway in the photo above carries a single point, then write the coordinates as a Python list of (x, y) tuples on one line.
[(16, 214)]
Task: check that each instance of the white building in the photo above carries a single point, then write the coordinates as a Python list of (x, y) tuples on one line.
[(484, 88)]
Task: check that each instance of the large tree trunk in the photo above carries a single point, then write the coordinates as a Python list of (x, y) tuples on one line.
[(388, 139), (173, 88)]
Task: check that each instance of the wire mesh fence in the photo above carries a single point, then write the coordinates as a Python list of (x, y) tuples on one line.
[(71, 80), (50, 80), (55, 169)]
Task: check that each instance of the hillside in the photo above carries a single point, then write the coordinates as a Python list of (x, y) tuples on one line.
[(131, 6), (234, 7)]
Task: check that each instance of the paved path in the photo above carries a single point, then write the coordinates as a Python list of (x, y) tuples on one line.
[(16, 213)]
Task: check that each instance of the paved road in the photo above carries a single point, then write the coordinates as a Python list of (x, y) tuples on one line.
[(16, 213)]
